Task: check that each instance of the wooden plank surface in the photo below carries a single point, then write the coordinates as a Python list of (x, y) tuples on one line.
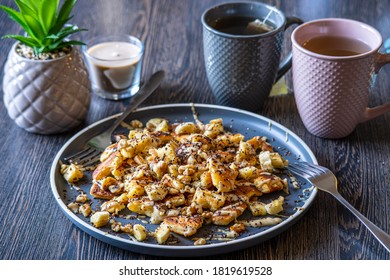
[(32, 226)]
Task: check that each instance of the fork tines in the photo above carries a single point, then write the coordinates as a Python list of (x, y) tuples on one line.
[(86, 157), (306, 169)]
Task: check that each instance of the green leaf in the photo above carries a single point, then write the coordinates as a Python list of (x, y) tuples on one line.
[(63, 33), (59, 45), (52, 36), (38, 50), (44, 22), (16, 16), (54, 45), (66, 8), (67, 31), (27, 41), (62, 23), (36, 29), (74, 42), (47, 13), (33, 4), (63, 15), (26, 9)]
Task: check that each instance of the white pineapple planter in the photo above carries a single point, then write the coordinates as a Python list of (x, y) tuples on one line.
[(46, 96)]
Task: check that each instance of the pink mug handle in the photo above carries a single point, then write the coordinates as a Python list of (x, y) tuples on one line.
[(371, 113)]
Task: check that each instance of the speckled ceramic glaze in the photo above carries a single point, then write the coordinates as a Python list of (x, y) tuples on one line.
[(46, 97), (241, 69), (332, 93)]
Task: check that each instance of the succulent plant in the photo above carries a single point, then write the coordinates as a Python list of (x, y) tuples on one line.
[(45, 24)]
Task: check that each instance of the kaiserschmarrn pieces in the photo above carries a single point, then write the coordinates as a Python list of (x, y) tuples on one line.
[(183, 176), (72, 173)]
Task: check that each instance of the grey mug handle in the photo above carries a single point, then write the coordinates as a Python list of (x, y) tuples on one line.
[(285, 65)]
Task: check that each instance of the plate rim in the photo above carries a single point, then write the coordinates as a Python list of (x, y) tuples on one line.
[(95, 232)]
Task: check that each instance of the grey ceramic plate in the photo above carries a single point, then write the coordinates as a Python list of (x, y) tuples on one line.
[(249, 124)]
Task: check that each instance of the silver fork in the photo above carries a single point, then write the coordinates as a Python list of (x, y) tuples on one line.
[(94, 146), (325, 180)]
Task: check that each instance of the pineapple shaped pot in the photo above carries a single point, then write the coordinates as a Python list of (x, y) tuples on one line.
[(46, 96)]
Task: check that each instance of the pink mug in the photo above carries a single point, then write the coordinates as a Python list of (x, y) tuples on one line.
[(335, 62)]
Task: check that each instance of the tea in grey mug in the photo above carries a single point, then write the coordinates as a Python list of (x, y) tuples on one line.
[(241, 69)]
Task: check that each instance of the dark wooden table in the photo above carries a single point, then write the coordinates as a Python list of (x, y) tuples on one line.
[(32, 226)]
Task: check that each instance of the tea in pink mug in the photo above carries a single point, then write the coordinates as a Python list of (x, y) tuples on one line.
[(335, 62)]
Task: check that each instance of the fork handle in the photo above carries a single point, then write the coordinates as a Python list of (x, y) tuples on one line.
[(150, 86), (379, 234)]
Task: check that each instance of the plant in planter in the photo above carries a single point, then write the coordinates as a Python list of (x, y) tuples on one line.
[(46, 85)]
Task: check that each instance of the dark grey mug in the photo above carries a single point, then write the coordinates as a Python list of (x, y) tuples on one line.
[(241, 69)]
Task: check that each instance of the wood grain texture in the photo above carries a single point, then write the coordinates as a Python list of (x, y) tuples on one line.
[(32, 226)]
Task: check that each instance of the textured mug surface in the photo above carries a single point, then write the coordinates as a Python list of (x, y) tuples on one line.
[(332, 92), (46, 97), (241, 69)]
